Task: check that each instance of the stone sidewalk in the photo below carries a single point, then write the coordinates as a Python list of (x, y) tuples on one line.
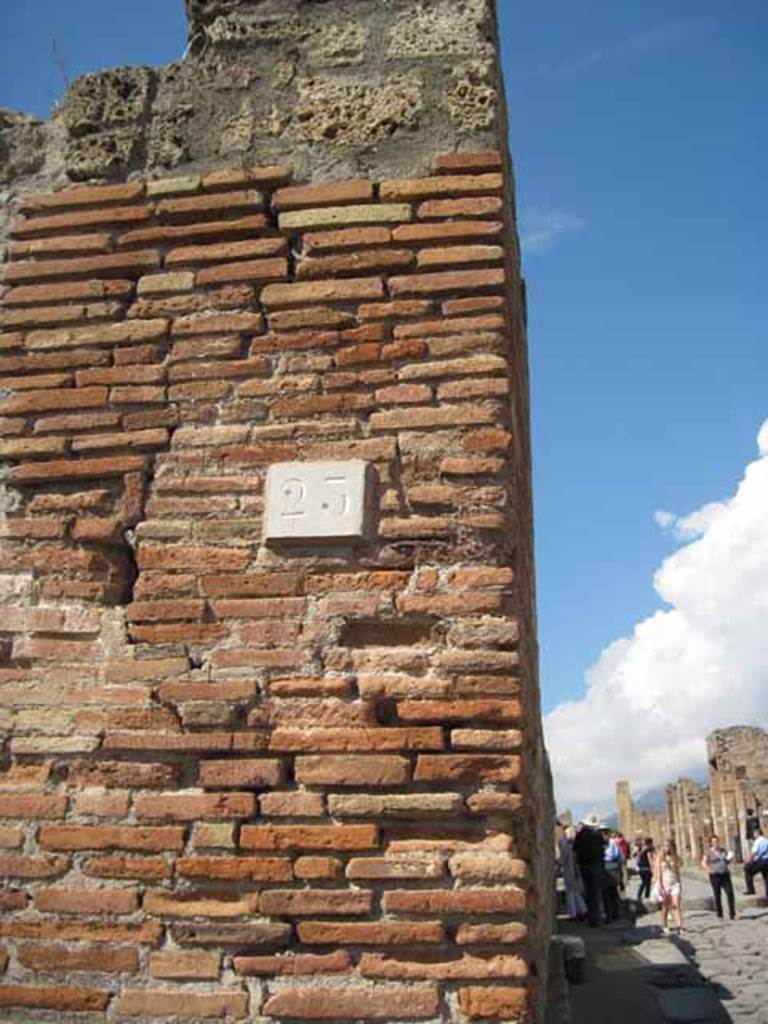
[(716, 973)]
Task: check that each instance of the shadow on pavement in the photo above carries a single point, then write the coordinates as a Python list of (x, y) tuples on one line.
[(637, 975)]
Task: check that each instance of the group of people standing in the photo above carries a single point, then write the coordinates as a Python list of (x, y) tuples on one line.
[(594, 859)]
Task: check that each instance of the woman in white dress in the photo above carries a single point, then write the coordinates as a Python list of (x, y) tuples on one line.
[(666, 875)]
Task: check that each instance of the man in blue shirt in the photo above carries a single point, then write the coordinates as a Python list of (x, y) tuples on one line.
[(757, 864)]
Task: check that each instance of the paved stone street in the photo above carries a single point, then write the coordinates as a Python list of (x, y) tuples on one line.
[(716, 973)]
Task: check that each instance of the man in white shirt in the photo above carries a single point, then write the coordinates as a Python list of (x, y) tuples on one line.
[(757, 864)]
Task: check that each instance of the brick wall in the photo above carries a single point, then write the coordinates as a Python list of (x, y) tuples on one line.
[(242, 779), (251, 780)]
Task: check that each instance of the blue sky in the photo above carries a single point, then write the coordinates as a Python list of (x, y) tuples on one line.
[(638, 134)]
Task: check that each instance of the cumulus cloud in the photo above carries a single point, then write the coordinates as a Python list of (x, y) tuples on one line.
[(541, 226), (698, 664)]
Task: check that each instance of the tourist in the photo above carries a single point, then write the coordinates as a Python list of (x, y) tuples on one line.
[(715, 862), (624, 847), (644, 863), (588, 846), (666, 876), (757, 864), (752, 825), (575, 905), (613, 863)]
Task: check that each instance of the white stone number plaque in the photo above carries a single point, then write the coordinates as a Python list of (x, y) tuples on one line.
[(315, 500)]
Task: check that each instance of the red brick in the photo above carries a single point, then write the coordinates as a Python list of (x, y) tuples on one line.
[(432, 416), (359, 1003), (291, 805), (193, 904), (454, 901), (476, 304), (108, 933), (207, 229), (105, 837), (196, 965), (11, 837), (19, 865), (392, 869), (455, 255), (220, 252), (348, 289), (352, 770), (40, 270), (146, 669), (270, 174), (445, 185), (60, 958), (468, 966), (42, 401), (304, 902), (499, 1003), (370, 933), (87, 195), (482, 206), (446, 281), (347, 238), (487, 440), (493, 802), (309, 837), (262, 869), (217, 323), (255, 774), (188, 806), (500, 711), (451, 325), (77, 469), (86, 901), (334, 194), (338, 962), (360, 261), (57, 997), (141, 868), (315, 868), (249, 270), (490, 934), (202, 559), (467, 768), (77, 219), (256, 933), (245, 200), (32, 805), (446, 231), (485, 160), (146, 1003), (350, 739), (42, 294)]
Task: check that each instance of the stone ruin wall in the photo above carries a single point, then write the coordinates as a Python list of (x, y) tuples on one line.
[(738, 780), (241, 780)]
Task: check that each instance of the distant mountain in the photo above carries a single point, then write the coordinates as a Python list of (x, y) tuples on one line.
[(652, 799)]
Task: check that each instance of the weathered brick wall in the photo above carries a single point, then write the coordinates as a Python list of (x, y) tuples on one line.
[(244, 780)]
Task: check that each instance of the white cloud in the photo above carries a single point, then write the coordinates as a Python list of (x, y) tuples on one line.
[(640, 42), (541, 226), (699, 664)]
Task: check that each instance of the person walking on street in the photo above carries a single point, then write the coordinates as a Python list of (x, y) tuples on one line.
[(666, 877), (715, 862), (613, 863), (588, 847), (644, 863), (757, 864)]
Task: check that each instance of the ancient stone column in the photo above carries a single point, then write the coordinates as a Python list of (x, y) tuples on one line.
[(268, 661)]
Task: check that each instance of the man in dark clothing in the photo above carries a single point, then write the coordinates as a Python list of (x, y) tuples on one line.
[(753, 825), (589, 848)]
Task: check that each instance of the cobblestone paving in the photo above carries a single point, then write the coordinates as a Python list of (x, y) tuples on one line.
[(732, 956)]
